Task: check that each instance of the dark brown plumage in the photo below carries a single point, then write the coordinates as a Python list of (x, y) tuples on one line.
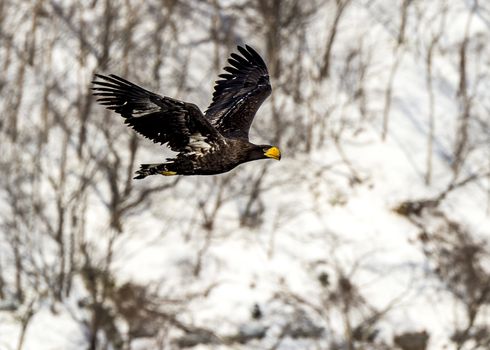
[(210, 143)]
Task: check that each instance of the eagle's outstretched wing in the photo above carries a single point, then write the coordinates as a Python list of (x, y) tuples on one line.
[(161, 119), (238, 96)]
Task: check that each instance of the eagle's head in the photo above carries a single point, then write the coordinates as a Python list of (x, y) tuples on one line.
[(264, 152)]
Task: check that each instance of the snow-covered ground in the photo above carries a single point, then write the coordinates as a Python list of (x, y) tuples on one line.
[(327, 212)]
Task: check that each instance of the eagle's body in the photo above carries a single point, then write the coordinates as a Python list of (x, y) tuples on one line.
[(207, 144), (211, 162)]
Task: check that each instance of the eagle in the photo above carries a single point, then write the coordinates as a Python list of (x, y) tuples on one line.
[(208, 143)]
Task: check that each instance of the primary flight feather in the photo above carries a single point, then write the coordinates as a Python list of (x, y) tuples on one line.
[(211, 143)]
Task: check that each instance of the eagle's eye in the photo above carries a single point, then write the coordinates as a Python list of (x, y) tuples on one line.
[(273, 152)]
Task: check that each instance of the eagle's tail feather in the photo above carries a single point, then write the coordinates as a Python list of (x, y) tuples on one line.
[(154, 169)]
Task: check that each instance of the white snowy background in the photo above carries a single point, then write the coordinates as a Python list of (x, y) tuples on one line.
[(371, 232)]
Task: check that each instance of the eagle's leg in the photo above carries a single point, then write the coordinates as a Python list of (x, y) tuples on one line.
[(155, 169)]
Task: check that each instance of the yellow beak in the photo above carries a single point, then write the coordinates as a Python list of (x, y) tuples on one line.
[(273, 153)]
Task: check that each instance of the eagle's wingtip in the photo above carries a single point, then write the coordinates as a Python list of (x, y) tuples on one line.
[(99, 76)]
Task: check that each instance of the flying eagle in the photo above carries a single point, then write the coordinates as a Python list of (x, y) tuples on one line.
[(211, 143)]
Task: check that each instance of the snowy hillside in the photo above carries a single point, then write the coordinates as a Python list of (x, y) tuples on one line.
[(372, 232)]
